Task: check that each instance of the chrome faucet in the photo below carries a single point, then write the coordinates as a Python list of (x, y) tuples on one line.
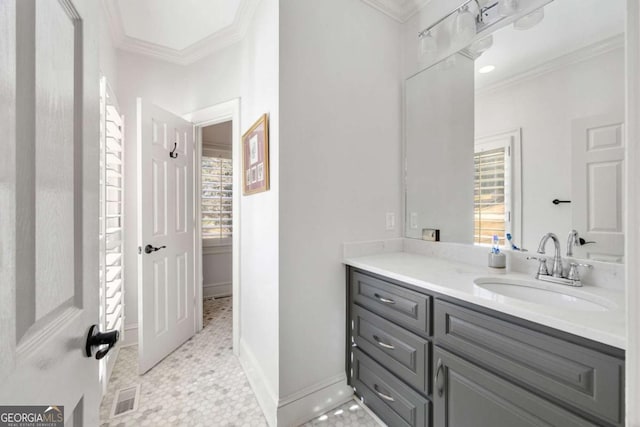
[(572, 278), (556, 271)]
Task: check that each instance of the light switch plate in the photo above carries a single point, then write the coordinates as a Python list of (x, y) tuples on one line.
[(413, 221), (391, 221), (431, 234)]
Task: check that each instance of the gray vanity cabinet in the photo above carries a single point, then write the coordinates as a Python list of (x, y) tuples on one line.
[(418, 358), (466, 395)]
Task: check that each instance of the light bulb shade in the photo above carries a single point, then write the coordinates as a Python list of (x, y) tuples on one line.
[(507, 7), (480, 46), (428, 47), (529, 20), (464, 26)]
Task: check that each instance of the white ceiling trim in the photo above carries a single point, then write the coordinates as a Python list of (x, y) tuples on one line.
[(591, 51), (219, 40), (400, 10)]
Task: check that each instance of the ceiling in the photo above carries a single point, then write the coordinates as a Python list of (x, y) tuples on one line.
[(570, 30), (400, 10), (219, 134), (177, 31), (185, 31)]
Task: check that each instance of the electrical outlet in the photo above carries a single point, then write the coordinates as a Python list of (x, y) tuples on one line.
[(413, 221), (431, 234), (391, 221)]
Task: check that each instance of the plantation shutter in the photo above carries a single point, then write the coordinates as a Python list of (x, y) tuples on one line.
[(490, 195), (111, 211), (217, 195)]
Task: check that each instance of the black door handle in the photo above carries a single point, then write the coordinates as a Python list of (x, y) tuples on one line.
[(149, 248), (97, 339)]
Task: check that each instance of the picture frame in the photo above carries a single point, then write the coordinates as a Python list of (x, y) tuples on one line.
[(255, 157)]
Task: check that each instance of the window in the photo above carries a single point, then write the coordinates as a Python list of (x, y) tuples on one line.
[(492, 189), (217, 196)]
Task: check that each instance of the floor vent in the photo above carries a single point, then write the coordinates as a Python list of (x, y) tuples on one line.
[(126, 401)]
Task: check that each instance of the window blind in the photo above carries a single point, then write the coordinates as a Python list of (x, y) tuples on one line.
[(489, 195), (217, 197)]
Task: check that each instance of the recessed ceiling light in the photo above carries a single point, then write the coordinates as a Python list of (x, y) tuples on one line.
[(486, 69)]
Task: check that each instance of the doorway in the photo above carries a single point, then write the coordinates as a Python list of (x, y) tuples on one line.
[(210, 124), (216, 209)]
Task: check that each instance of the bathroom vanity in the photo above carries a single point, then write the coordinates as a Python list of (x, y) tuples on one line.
[(510, 134), (428, 345)]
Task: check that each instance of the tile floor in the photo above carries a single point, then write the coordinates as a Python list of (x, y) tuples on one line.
[(202, 384)]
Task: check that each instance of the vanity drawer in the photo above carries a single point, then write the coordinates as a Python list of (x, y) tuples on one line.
[(392, 400), (568, 373), (393, 302), (402, 352)]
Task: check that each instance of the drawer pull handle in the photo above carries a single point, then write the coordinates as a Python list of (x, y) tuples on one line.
[(438, 380), (382, 395), (384, 300), (382, 344)]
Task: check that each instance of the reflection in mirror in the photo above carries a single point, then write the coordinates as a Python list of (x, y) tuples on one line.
[(548, 97), (438, 153)]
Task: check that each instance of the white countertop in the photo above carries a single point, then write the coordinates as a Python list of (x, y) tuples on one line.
[(456, 280)]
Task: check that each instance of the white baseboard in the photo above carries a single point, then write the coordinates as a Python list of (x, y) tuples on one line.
[(313, 401), (265, 396), (130, 335), (217, 290)]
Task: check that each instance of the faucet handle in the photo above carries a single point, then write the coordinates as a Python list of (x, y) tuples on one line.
[(573, 270), (542, 267)]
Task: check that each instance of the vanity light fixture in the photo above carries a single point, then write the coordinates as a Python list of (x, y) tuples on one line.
[(464, 5), (486, 69)]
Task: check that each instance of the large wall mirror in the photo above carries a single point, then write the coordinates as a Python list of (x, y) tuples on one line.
[(521, 132)]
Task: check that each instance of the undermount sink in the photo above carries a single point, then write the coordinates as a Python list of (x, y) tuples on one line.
[(496, 288)]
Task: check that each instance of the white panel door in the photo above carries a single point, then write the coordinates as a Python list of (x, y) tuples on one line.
[(598, 193), (166, 238), (49, 205)]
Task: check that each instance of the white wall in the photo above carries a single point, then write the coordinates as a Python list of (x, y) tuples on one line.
[(259, 227), (216, 271), (340, 156), (544, 107), (107, 52)]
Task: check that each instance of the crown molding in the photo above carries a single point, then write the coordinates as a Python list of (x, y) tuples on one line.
[(400, 10), (585, 53), (217, 41)]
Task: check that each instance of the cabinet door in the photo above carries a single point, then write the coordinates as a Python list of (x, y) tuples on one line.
[(466, 395)]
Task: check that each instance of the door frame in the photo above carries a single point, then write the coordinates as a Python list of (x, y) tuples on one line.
[(632, 220), (219, 113)]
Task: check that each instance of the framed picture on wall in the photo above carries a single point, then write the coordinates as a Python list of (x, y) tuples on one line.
[(255, 157)]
